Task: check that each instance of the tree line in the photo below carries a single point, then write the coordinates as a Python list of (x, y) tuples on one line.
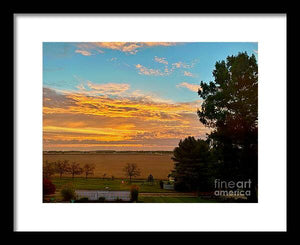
[(64, 167)]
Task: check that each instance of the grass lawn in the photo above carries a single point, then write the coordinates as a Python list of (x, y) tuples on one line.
[(80, 183), (101, 184), (174, 200)]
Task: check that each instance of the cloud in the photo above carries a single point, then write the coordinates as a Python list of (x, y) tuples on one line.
[(192, 87), (108, 88), (123, 118), (87, 49), (126, 47), (161, 60), (83, 52), (182, 65), (90, 88), (187, 74), (149, 71), (167, 70)]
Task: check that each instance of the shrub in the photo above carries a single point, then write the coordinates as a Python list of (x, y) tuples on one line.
[(161, 184), (134, 191), (68, 193), (101, 199), (48, 187), (150, 178)]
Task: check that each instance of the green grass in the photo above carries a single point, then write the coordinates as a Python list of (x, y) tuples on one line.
[(100, 184), (174, 200), (116, 185)]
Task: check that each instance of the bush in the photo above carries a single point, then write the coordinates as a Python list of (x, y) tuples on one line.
[(101, 199), (68, 194), (161, 184), (48, 187), (134, 191)]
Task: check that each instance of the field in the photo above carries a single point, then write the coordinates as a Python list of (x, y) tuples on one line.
[(159, 165), (148, 192), (102, 184)]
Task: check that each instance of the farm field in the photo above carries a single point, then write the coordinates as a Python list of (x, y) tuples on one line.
[(159, 165)]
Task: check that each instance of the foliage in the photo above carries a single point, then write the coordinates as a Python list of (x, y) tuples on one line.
[(161, 184), (131, 170), (88, 169), (48, 187), (48, 169), (68, 192), (230, 109), (75, 169), (193, 165), (134, 191), (62, 167), (150, 178)]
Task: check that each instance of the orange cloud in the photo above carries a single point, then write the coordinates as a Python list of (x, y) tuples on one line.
[(126, 47), (83, 52), (133, 120), (192, 87)]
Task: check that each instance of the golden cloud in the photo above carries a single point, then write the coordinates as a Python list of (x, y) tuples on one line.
[(83, 52), (192, 87), (134, 120), (127, 47)]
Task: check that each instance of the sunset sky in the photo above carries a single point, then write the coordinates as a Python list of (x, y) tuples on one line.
[(126, 96)]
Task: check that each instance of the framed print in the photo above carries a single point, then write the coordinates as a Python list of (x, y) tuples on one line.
[(165, 121)]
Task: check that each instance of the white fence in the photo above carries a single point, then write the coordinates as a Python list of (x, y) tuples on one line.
[(108, 195)]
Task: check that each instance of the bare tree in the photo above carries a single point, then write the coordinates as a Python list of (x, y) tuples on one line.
[(62, 167), (48, 169), (88, 169), (131, 170), (75, 169)]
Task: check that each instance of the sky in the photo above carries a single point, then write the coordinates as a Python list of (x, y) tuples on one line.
[(126, 95)]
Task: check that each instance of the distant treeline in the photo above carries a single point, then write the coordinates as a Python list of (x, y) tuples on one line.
[(107, 152)]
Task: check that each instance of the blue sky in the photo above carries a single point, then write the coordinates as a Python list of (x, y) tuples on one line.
[(64, 69), (126, 96)]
